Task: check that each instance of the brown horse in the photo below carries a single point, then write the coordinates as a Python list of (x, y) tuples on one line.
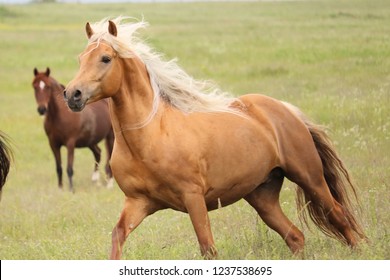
[(181, 145), (5, 160), (73, 130)]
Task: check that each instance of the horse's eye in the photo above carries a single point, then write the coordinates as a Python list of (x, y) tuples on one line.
[(106, 59)]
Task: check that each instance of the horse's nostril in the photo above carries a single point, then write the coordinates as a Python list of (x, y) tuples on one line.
[(77, 95), (64, 94)]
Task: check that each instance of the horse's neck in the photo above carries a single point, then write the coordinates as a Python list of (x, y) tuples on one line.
[(132, 105), (56, 102)]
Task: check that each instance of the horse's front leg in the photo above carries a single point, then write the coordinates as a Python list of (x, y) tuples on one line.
[(133, 213), (69, 168), (196, 207), (56, 149)]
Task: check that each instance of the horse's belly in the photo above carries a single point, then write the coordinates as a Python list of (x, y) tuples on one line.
[(230, 195), (234, 188), (241, 163)]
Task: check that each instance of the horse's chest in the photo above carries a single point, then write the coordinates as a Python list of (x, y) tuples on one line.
[(129, 173), (136, 177)]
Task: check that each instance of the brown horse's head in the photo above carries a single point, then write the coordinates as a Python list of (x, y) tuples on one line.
[(42, 89), (100, 72)]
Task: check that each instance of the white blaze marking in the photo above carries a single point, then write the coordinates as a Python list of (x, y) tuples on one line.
[(42, 84)]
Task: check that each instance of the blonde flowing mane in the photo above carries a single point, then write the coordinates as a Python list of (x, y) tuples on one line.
[(168, 79)]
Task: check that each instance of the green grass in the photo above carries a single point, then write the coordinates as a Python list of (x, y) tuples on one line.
[(330, 58)]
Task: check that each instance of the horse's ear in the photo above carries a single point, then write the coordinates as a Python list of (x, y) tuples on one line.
[(112, 28), (35, 71), (47, 71), (89, 30)]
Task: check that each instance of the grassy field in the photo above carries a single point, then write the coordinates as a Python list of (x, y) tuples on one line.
[(330, 58)]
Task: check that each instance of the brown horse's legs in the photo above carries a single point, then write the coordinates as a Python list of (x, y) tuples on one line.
[(97, 155), (57, 156), (69, 168), (109, 146), (196, 208), (133, 213), (265, 199)]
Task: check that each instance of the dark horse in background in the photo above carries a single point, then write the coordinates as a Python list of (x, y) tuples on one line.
[(5, 160), (73, 130)]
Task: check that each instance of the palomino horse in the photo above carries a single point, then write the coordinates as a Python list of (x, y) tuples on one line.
[(5, 160), (183, 146), (70, 129)]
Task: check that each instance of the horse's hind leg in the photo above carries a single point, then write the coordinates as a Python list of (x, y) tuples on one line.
[(329, 212), (97, 155), (310, 161), (265, 199)]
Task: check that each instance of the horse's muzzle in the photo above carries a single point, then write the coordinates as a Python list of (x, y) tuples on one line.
[(75, 101), (42, 110)]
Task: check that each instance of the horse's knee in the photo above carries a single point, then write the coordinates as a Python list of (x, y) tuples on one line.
[(69, 171), (59, 170), (118, 234)]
